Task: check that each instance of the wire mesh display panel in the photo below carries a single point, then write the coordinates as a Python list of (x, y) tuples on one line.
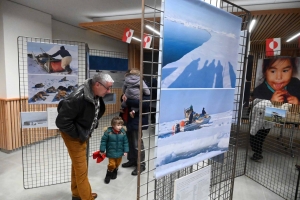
[(222, 166), (274, 164), (112, 110), (45, 158)]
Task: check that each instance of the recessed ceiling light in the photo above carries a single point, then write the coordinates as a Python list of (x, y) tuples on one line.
[(293, 37), (136, 39), (252, 25), (152, 29)]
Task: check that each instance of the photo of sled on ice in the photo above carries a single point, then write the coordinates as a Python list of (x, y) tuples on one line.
[(194, 125), (45, 58), (47, 63), (192, 121)]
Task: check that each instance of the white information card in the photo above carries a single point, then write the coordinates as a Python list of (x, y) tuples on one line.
[(52, 114), (194, 186)]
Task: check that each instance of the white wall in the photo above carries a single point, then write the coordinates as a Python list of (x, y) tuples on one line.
[(19, 21), (95, 41), (2, 69)]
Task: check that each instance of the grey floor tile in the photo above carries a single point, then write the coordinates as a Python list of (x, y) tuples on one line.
[(123, 188), (247, 189)]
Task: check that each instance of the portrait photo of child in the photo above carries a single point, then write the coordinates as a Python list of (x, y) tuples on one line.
[(277, 79)]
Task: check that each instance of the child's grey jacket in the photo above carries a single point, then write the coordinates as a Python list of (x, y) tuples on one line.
[(131, 87)]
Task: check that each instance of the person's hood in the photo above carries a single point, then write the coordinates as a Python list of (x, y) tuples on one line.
[(87, 90), (132, 79)]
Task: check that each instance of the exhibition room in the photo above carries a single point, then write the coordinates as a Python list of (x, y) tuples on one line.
[(150, 99)]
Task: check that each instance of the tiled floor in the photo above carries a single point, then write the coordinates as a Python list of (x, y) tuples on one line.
[(123, 188)]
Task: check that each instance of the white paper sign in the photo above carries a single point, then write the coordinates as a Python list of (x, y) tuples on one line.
[(52, 114), (193, 186)]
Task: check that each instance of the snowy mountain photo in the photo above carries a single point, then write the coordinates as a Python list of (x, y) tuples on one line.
[(199, 69), (202, 53)]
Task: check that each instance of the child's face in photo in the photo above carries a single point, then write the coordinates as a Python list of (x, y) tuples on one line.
[(118, 127), (279, 74)]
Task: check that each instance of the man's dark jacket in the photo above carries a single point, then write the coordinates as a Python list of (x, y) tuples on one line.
[(76, 113)]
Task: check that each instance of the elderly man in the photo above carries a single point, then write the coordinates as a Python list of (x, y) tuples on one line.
[(77, 118)]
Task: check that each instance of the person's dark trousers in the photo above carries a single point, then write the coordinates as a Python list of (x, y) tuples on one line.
[(132, 155), (256, 141), (153, 115)]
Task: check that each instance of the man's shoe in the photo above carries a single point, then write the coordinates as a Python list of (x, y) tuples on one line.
[(129, 164), (135, 171), (256, 157), (94, 195)]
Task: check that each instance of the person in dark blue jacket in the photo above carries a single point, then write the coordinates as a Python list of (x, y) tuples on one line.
[(115, 143), (133, 134), (66, 59)]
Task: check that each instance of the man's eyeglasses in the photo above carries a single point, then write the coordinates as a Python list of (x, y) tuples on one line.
[(107, 88)]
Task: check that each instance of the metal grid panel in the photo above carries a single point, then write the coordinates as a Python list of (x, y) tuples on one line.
[(45, 158), (222, 166), (277, 170), (111, 110)]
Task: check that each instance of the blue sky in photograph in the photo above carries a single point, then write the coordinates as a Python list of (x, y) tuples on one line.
[(36, 47), (173, 102), (199, 12), (269, 111)]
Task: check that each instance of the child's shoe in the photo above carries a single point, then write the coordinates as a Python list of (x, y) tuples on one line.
[(108, 177), (114, 174)]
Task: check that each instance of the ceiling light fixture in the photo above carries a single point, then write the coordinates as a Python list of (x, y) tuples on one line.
[(293, 37), (252, 25), (215, 3), (136, 39), (152, 29)]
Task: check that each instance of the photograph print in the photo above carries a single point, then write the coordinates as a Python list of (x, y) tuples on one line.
[(50, 89), (194, 125), (34, 119), (275, 115), (277, 79), (45, 58), (199, 64), (199, 51)]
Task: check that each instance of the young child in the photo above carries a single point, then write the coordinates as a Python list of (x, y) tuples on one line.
[(279, 83), (115, 143), (131, 89)]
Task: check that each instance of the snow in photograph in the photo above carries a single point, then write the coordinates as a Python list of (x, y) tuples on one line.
[(34, 119), (194, 125), (35, 49), (50, 89), (199, 51)]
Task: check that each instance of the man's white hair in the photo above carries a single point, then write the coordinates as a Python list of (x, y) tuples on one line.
[(102, 78)]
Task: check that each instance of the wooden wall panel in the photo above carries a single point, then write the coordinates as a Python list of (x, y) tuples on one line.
[(134, 56), (11, 135)]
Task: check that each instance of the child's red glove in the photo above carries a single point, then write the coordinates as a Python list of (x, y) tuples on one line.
[(97, 155)]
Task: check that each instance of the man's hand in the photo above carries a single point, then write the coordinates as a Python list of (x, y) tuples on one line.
[(124, 98)]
